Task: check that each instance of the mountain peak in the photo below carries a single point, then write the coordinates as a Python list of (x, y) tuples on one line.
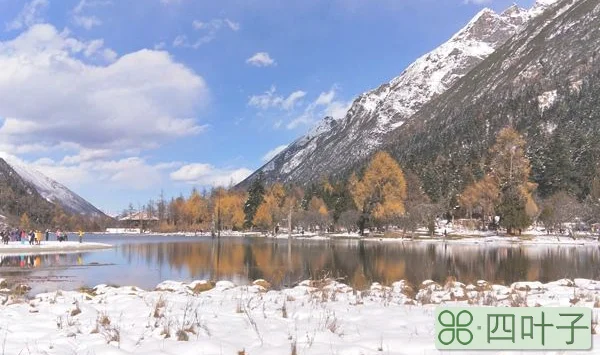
[(515, 12), (332, 145)]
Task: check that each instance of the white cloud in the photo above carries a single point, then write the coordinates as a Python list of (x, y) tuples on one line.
[(234, 26), (86, 155), (325, 105), (269, 100), (92, 167), (273, 152), (86, 22), (215, 25), (136, 102), (261, 59), (160, 45), (477, 2), (83, 4), (325, 98), (209, 32), (207, 175), (305, 119), (109, 55), (29, 15)]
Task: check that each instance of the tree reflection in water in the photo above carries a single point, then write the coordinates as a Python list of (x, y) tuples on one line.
[(361, 263)]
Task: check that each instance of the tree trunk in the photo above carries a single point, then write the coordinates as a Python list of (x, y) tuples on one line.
[(290, 223)]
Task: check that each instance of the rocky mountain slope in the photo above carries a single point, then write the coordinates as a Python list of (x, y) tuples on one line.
[(334, 145), (545, 82), (38, 186)]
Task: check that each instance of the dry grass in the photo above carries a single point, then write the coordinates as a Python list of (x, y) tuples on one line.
[(75, 311), (103, 320), (263, 283), (87, 290), (158, 307), (182, 335), (202, 287)]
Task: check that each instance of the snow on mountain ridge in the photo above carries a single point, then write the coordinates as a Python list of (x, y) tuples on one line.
[(53, 191), (376, 112)]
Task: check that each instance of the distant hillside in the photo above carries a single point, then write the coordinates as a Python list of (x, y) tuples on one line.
[(55, 192), (46, 202), (17, 196)]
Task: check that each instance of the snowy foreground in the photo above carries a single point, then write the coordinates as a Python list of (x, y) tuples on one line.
[(50, 246), (316, 317)]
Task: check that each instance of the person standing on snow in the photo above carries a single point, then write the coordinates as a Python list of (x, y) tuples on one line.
[(80, 236)]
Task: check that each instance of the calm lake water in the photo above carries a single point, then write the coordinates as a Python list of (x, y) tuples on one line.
[(145, 261)]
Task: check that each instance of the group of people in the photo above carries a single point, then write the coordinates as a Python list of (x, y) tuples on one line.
[(34, 237)]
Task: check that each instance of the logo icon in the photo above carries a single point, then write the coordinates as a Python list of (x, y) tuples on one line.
[(455, 328)]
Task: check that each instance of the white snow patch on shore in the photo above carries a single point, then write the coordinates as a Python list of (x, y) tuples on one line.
[(317, 317)]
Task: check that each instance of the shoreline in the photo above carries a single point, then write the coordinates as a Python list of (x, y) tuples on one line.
[(465, 238), (51, 247), (314, 317)]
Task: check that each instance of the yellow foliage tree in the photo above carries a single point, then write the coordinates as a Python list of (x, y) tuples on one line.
[(483, 195), (232, 209), (317, 213), (196, 210), (509, 171), (381, 192), (24, 222), (270, 209), (264, 214), (509, 163)]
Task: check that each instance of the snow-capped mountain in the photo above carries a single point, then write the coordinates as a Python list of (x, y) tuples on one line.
[(334, 144), (53, 191)]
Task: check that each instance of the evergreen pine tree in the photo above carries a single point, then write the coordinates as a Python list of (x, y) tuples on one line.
[(512, 209), (256, 193)]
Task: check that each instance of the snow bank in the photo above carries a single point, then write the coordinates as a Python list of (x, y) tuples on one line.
[(315, 317), (50, 246)]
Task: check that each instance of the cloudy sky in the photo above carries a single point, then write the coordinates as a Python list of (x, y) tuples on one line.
[(120, 99)]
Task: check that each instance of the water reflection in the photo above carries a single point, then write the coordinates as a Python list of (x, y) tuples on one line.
[(361, 263), (147, 261), (28, 261)]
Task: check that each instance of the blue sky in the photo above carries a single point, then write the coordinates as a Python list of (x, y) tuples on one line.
[(118, 99)]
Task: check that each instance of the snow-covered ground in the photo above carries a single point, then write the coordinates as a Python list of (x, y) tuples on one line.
[(49, 247), (316, 317)]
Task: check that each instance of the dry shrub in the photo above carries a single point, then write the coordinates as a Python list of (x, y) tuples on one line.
[(182, 335), (103, 320), (75, 311), (87, 290), (161, 303), (203, 286), (262, 283)]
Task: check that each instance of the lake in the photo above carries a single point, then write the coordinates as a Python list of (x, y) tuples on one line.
[(145, 261)]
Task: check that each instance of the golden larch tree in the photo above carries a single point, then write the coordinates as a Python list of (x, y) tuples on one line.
[(381, 191)]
